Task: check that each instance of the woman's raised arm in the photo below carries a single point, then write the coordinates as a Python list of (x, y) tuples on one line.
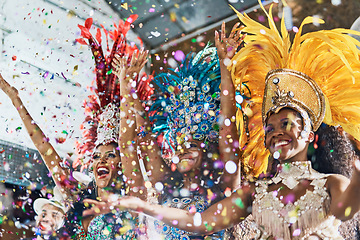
[(229, 138), (127, 74), (52, 160), (135, 112)]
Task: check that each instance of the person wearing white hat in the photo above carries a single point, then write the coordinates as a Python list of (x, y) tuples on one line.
[(50, 215)]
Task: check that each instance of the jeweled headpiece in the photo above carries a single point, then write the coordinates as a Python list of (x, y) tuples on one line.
[(191, 100), (296, 90), (101, 125), (316, 74)]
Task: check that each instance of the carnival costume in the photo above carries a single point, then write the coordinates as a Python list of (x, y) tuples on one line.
[(316, 75), (100, 127), (189, 105)]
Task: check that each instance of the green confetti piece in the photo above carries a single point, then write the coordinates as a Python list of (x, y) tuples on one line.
[(239, 203)]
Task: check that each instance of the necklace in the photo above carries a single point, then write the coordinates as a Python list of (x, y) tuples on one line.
[(305, 214), (290, 173)]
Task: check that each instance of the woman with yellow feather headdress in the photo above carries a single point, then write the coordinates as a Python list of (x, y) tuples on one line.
[(294, 88)]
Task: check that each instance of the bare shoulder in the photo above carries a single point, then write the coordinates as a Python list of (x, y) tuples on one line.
[(337, 181)]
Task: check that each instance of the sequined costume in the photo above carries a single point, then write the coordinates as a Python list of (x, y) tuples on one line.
[(196, 203), (307, 217), (120, 225)]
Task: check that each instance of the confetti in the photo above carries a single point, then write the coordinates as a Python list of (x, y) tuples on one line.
[(179, 55), (230, 167)]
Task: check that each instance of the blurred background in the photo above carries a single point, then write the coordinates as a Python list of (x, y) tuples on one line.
[(54, 73)]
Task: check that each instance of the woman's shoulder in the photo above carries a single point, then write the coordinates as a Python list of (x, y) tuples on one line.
[(334, 177), (336, 181)]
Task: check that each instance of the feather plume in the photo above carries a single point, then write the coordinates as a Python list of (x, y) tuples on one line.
[(329, 57), (107, 88)]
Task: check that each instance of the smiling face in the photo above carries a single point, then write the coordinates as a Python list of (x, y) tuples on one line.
[(190, 156), (106, 159), (50, 219), (282, 135)]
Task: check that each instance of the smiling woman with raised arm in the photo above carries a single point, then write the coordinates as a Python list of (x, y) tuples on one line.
[(294, 88), (99, 148)]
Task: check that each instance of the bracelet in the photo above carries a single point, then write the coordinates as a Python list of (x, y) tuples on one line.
[(142, 132)]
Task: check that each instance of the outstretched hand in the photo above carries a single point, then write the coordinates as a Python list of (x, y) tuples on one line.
[(227, 46), (7, 88), (112, 203), (123, 69)]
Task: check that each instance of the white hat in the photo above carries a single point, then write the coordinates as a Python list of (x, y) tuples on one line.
[(57, 201)]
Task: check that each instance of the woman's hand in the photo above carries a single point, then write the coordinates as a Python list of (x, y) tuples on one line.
[(7, 88), (119, 66), (122, 69), (227, 46), (113, 202)]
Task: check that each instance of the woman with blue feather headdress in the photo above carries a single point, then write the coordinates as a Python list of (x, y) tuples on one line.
[(185, 118), (196, 145)]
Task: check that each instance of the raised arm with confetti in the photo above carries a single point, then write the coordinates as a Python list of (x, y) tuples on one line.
[(61, 176), (128, 74), (228, 141)]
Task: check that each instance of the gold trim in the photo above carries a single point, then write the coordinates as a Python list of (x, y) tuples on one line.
[(304, 90)]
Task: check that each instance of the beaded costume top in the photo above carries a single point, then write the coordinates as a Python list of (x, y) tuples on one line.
[(298, 218), (197, 203), (120, 225)]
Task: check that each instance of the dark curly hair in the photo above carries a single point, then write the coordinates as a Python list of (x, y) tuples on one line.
[(333, 152)]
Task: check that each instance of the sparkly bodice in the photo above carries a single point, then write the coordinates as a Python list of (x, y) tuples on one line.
[(196, 203), (297, 219), (120, 225)]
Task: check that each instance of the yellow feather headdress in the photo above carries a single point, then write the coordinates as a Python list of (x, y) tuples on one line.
[(329, 58)]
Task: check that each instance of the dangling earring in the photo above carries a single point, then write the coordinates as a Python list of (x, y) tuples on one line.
[(304, 135)]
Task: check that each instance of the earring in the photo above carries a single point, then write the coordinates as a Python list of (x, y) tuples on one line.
[(119, 165)]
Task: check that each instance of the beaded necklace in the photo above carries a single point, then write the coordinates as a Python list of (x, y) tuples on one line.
[(293, 220)]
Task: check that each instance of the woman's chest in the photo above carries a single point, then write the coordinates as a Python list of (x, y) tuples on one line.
[(290, 203)]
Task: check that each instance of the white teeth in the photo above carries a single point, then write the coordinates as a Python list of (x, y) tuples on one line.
[(103, 170), (281, 143), (186, 160)]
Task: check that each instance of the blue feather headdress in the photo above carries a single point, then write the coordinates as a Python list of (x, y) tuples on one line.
[(190, 100)]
